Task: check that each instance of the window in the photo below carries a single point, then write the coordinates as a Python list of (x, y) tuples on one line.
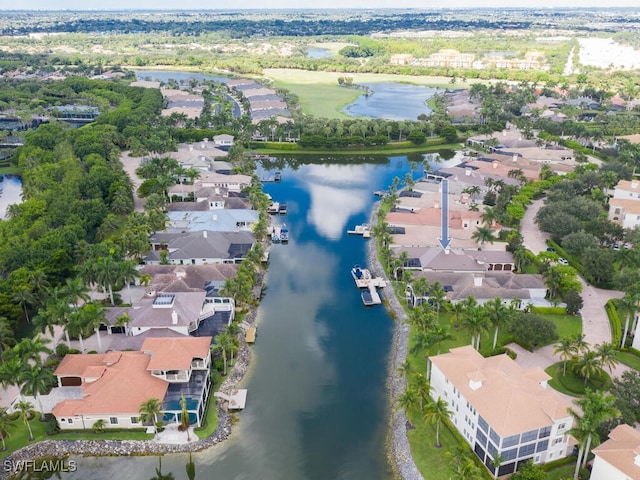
[(113, 420), (495, 438), (511, 441), (544, 432), (509, 454), (542, 446), (561, 426), (135, 419), (482, 423), (558, 440), (491, 450), (481, 438), (529, 436), (527, 450)]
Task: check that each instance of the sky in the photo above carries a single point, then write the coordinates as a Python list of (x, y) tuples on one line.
[(300, 4)]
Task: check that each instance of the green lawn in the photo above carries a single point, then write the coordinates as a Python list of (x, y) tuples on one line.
[(211, 420), (320, 95), (566, 325), (430, 460), (628, 359), (19, 436), (106, 435), (573, 385), (561, 473)]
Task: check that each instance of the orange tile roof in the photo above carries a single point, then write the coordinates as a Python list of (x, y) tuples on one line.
[(123, 387), (510, 399), (77, 364), (621, 450), (175, 353)]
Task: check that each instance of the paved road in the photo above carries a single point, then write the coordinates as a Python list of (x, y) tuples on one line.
[(595, 323)]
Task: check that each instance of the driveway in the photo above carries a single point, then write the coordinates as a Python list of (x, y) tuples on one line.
[(595, 322)]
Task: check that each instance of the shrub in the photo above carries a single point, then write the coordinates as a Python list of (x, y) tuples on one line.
[(614, 322), (62, 349), (52, 427), (533, 330)]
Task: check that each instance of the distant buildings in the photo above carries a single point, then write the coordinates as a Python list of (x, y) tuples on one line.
[(624, 207)]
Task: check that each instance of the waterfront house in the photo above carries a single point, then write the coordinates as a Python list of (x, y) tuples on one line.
[(502, 409), (619, 457), (115, 384)]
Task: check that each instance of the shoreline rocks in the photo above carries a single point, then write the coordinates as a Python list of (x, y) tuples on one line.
[(399, 452)]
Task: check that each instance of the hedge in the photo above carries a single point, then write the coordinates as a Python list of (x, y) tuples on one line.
[(558, 463), (550, 310), (614, 322)]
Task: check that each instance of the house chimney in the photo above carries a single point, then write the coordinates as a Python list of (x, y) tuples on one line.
[(494, 164), (467, 172), (634, 185), (204, 233), (436, 204), (191, 148), (174, 318), (515, 157), (477, 281)]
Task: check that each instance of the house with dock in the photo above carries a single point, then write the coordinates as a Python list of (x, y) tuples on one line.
[(111, 387)]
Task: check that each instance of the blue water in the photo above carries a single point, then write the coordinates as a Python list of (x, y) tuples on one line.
[(165, 75), (315, 52), (393, 101), (317, 405)]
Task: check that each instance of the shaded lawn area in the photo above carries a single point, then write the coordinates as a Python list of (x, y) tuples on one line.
[(561, 473), (628, 359), (573, 385), (19, 435), (430, 460), (566, 325)]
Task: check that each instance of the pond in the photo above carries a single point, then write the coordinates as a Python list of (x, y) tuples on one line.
[(392, 101), (314, 52)]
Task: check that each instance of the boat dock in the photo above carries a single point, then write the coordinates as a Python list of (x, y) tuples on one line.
[(369, 285), (250, 336), (280, 234), (237, 398), (362, 229)]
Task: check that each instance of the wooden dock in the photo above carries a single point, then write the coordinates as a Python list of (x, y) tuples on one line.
[(373, 292), (250, 336), (237, 398)]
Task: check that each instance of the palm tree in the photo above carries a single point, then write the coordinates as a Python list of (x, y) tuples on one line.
[(405, 369), (437, 296), (23, 296), (475, 320), (436, 414), (75, 289), (93, 316), (597, 408), (26, 411), (630, 304), (607, 355), (499, 316), (5, 424), (149, 411), (587, 365), (483, 235), (128, 273), (35, 382), (457, 309), (439, 334), (566, 348), (32, 349), (489, 216), (521, 258), (423, 388), (223, 343), (408, 400), (579, 344)]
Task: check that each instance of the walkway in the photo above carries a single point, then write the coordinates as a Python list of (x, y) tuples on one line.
[(595, 322)]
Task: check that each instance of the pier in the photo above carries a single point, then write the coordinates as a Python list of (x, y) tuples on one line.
[(363, 230)]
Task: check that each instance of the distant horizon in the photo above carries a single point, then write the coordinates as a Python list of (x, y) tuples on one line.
[(199, 5)]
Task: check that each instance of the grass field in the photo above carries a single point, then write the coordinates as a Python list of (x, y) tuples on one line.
[(573, 385), (321, 96), (629, 359)]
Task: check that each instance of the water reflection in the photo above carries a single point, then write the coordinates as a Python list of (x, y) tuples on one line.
[(393, 101), (10, 192), (337, 193)]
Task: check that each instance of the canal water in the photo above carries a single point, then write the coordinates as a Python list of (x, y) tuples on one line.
[(317, 405)]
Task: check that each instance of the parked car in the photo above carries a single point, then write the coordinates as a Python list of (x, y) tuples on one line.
[(563, 261), (551, 249)]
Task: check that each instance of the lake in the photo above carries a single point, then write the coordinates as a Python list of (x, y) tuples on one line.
[(392, 101), (317, 405)]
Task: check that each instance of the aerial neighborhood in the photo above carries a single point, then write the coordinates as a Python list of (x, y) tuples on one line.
[(496, 329)]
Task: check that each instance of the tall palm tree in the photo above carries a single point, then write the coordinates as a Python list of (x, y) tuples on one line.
[(499, 316), (5, 425), (405, 369), (408, 400), (436, 414), (26, 411), (587, 365), (475, 320), (439, 334), (223, 343), (35, 382), (489, 216), (437, 296), (597, 408), (128, 273), (33, 349), (423, 389), (566, 348), (149, 411), (630, 304), (75, 289), (184, 416), (607, 355), (24, 297)]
